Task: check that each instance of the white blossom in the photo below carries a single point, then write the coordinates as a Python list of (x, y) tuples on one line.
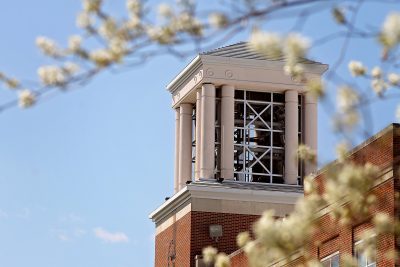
[(357, 68), (379, 86), (101, 57), (316, 88), (269, 44), (393, 78), (118, 48), (108, 28), (91, 5), (162, 35), (165, 10), (185, 22), (12, 83), (26, 98), (84, 20), (309, 184), (51, 75), (294, 70), (218, 20), (47, 46), (296, 46), (222, 260), (383, 223), (376, 72), (74, 43), (134, 7), (348, 119), (341, 151), (306, 153), (347, 98), (242, 239), (209, 254), (391, 30), (70, 68)]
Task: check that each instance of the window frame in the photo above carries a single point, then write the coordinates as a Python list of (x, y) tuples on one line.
[(368, 264), (329, 257)]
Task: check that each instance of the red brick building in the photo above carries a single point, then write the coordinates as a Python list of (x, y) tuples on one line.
[(383, 150)]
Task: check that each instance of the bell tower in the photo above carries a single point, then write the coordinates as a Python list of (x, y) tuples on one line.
[(238, 122)]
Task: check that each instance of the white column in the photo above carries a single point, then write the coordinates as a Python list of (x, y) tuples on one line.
[(185, 144), (291, 136), (207, 153), (310, 128), (198, 135), (227, 128), (176, 177)]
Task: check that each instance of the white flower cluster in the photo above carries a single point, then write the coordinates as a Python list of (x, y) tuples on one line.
[(101, 57), (134, 7), (269, 44), (84, 20), (294, 48), (306, 153), (347, 98), (165, 10), (91, 6), (51, 75), (175, 24), (394, 79), (211, 256), (316, 88), (48, 46), (75, 43), (357, 68), (377, 83), (11, 83), (390, 35), (218, 20), (347, 101), (26, 98), (55, 75), (278, 239), (352, 182)]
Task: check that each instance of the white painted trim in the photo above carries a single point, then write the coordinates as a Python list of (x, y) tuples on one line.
[(329, 256), (199, 191), (184, 72)]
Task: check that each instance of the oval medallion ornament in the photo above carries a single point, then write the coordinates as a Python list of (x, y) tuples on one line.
[(210, 72)]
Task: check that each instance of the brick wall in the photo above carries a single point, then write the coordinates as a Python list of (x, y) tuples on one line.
[(384, 152), (180, 232), (192, 235)]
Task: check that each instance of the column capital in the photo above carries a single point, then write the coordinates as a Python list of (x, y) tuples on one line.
[(291, 96), (228, 90), (208, 89), (309, 99), (186, 108)]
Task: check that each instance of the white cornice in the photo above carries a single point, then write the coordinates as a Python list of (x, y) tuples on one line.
[(207, 61), (223, 192), (184, 74)]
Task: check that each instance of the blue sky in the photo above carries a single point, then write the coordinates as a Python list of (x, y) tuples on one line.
[(85, 168)]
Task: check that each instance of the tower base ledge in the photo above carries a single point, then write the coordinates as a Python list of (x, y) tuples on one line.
[(231, 197)]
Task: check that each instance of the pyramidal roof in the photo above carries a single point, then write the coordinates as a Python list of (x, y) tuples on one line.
[(242, 50)]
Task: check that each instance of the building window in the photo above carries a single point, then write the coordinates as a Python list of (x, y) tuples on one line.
[(331, 260), (259, 136), (362, 259)]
